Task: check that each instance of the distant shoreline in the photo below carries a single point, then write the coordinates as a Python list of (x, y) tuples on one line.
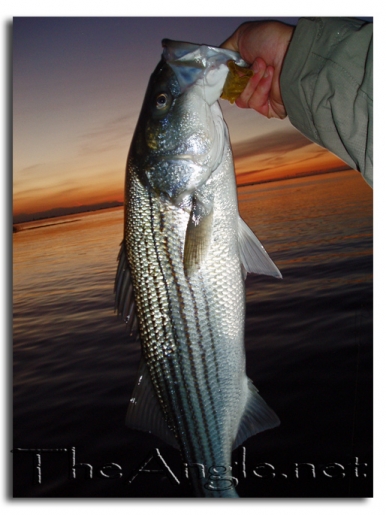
[(86, 209), (299, 176), (16, 228), (34, 217)]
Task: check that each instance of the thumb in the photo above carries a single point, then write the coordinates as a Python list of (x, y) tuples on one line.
[(231, 43)]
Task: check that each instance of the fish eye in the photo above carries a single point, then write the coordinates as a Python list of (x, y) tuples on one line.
[(162, 100)]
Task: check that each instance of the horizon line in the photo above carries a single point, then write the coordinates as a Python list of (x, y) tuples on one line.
[(45, 215)]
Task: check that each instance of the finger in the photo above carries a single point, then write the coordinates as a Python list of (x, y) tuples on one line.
[(259, 100), (259, 68)]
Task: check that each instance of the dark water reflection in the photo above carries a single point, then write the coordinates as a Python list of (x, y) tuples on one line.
[(308, 342)]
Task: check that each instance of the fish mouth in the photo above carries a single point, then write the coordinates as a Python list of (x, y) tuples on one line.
[(191, 62)]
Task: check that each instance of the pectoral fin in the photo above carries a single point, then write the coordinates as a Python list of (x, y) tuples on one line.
[(254, 258), (198, 235)]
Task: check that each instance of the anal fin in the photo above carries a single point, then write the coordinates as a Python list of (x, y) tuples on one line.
[(257, 417)]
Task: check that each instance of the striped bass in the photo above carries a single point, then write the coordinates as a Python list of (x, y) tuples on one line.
[(181, 271)]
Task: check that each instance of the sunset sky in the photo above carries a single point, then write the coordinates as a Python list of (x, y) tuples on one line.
[(78, 86)]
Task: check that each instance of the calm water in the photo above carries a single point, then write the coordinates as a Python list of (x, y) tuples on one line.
[(308, 342)]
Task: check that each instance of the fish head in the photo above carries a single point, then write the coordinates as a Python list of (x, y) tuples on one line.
[(181, 136)]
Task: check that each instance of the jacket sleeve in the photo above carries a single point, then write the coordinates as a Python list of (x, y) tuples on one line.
[(327, 87)]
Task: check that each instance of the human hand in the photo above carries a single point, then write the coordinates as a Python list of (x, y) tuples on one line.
[(263, 45)]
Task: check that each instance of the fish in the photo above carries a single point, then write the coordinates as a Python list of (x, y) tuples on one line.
[(181, 271)]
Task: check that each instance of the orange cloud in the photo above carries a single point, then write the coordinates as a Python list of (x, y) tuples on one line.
[(282, 154)]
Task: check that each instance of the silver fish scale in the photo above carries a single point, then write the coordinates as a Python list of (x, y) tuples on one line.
[(191, 329)]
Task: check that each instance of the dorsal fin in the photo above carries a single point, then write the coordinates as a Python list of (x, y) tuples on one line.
[(144, 412), (123, 288), (257, 416), (254, 258)]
